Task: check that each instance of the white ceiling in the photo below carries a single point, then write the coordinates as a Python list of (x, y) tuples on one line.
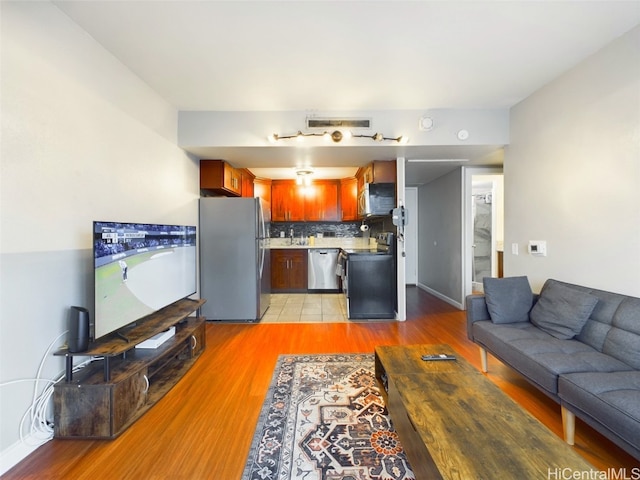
[(323, 56)]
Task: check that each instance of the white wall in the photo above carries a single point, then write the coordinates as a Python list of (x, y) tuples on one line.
[(440, 235), (250, 129), (82, 139), (572, 174)]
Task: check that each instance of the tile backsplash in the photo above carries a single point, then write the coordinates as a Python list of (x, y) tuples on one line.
[(307, 229)]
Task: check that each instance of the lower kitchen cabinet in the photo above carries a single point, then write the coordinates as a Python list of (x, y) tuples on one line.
[(289, 270)]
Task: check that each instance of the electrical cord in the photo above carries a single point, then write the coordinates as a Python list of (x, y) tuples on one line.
[(41, 428)]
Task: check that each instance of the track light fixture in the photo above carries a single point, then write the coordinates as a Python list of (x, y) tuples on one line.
[(378, 137), (336, 136)]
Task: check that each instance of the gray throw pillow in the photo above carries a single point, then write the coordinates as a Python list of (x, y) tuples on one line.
[(508, 299), (562, 311)]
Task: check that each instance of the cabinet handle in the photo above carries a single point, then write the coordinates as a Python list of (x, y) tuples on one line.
[(194, 342), (146, 387)]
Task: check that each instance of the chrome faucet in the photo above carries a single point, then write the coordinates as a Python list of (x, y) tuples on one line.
[(291, 236)]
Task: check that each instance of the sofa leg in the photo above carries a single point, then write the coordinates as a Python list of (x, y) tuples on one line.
[(568, 425), (483, 360)]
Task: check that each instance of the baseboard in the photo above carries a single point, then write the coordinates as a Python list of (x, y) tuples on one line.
[(442, 297), (17, 452)]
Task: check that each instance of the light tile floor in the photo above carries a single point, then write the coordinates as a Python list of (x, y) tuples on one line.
[(306, 308)]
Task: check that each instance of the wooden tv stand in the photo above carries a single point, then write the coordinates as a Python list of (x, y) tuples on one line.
[(104, 398)]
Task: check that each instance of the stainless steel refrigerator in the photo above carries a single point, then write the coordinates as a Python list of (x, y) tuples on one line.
[(235, 270)]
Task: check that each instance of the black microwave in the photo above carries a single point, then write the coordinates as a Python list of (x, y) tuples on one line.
[(377, 199)]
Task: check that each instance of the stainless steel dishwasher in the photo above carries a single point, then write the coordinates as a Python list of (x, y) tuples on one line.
[(322, 269)]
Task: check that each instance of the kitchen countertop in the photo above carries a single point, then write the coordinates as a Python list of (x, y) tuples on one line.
[(332, 242)]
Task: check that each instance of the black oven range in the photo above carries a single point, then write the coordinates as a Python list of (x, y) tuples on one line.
[(369, 279)]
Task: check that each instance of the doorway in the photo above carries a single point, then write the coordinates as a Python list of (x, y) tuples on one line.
[(483, 218), (484, 226)]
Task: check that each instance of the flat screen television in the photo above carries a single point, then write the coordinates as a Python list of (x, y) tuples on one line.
[(140, 268)]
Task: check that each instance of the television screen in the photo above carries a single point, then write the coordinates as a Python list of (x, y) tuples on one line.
[(140, 268)]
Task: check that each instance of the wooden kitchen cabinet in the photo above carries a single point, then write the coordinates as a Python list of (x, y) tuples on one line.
[(262, 189), (217, 177), (384, 171), (349, 199), (378, 171), (294, 203), (289, 270), (287, 202), (321, 202), (247, 179)]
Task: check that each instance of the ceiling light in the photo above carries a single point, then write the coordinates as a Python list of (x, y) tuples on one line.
[(303, 176), (337, 136)]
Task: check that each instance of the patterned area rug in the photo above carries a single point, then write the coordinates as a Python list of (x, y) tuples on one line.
[(324, 419)]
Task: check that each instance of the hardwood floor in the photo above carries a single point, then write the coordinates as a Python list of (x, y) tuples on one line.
[(202, 428)]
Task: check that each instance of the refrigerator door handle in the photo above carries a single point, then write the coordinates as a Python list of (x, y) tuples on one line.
[(262, 239), (262, 255), (263, 227)]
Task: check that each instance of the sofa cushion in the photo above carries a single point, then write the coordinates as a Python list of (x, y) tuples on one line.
[(611, 399), (623, 339), (508, 299), (562, 311), (540, 356)]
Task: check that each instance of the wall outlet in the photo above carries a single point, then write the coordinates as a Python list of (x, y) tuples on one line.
[(514, 249)]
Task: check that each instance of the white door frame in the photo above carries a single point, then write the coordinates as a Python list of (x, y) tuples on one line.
[(411, 235), (401, 314)]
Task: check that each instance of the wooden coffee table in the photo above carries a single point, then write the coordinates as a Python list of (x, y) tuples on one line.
[(455, 423)]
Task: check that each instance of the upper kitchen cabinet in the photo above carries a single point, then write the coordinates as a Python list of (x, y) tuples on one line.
[(287, 202), (349, 199), (262, 189), (294, 203), (217, 177), (247, 182), (379, 171), (321, 201)]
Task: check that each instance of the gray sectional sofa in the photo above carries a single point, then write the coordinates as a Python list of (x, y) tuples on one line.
[(578, 345)]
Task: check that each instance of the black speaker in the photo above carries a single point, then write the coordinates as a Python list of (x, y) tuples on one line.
[(78, 336)]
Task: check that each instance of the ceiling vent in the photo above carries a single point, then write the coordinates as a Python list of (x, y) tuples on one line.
[(333, 123)]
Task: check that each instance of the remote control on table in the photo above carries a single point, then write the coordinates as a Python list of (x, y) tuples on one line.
[(438, 356)]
